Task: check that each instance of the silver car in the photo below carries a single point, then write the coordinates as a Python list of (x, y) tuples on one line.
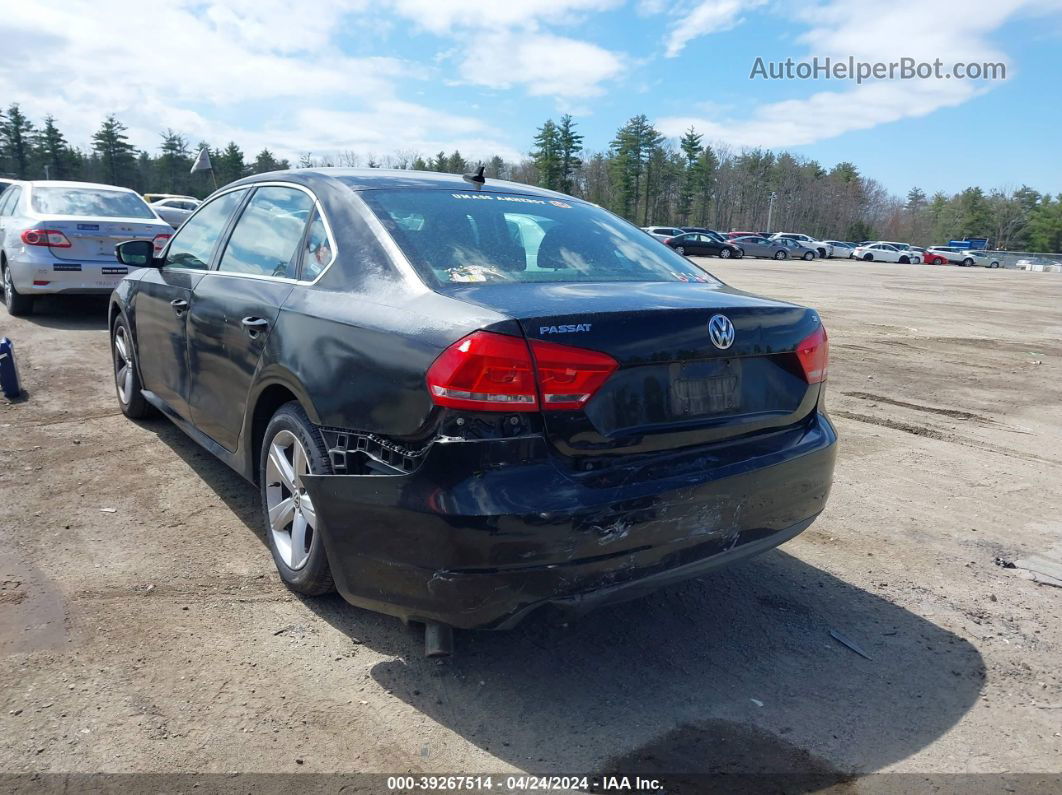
[(663, 232), (755, 246), (59, 237), (174, 209)]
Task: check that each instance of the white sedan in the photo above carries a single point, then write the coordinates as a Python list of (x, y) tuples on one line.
[(884, 252), (59, 237)]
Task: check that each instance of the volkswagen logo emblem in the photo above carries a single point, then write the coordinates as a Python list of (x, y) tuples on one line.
[(721, 330)]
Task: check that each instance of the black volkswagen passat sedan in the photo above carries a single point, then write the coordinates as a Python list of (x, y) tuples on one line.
[(462, 401)]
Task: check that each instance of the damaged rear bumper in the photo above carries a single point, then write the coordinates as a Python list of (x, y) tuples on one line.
[(484, 532)]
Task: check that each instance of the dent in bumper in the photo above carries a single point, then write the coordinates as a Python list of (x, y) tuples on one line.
[(480, 544)]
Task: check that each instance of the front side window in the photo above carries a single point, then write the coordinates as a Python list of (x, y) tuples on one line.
[(455, 237), (194, 244), (265, 241), (94, 202)]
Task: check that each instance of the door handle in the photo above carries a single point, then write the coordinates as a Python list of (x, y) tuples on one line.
[(179, 306), (254, 325)]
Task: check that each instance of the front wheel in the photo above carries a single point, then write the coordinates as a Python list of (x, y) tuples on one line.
[(993, 265), (808, 256), (16, 303), (905, 260), (724, 253), (131, 399), (968, 262), (780, 255), (291, 449)]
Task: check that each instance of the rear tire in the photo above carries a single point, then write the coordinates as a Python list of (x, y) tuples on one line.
[(808, 256), (680, 250), (292, 447), (868, 258), (126, 378), (18, 305), (781, 255)]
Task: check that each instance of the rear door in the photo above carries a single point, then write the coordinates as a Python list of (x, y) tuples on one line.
[(163, 299), (235, 306)]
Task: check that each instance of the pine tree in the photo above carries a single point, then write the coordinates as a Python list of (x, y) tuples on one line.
[(229, 165), (547, 156), (117, 156), (265, 162), (176, 161), (690, 144), (495, 168), (52, 151), (456, 164), (569, 145), (440, 163), (16, 137)]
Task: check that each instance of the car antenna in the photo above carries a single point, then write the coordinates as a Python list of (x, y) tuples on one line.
[(476, 179)]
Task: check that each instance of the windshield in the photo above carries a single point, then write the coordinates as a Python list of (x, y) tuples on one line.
[(90, 201), (453, 237)]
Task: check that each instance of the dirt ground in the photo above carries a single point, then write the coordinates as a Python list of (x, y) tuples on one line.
[(143, 628)]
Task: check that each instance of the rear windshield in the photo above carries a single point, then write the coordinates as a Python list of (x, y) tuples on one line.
[(453, 237), (90, 201)]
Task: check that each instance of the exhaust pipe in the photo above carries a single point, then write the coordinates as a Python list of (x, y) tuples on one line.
[(438, 639)]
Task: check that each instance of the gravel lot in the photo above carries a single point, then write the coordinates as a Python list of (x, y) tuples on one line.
[(142, 626)]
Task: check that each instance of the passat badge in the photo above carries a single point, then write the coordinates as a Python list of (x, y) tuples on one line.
[(721, 330)]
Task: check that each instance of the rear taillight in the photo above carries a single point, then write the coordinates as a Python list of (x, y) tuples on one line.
[(160, 242), (667, 241), (52, 238), (486, 371), (568, 377), (814, 354)]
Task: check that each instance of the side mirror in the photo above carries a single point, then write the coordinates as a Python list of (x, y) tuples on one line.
[(136, 253)]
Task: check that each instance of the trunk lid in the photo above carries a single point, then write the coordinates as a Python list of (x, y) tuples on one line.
[(92, 239), (674, 387)]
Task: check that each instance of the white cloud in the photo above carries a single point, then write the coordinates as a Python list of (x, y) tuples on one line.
[(546, 65), (707, 16), (868, 30), (444, 16), (185, 65)]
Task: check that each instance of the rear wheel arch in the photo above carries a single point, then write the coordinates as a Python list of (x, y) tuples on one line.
[(266, 403)]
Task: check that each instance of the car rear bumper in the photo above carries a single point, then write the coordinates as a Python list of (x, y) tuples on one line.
[(43, 274), (485, 532)]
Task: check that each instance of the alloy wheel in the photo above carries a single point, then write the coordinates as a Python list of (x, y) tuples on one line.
[(123, 366), (292, 518), (8, 286)]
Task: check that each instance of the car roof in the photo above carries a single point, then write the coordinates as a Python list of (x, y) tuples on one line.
[(386, 179), (57, 183)]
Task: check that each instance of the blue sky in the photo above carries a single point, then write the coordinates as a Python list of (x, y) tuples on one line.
[(375, 77)]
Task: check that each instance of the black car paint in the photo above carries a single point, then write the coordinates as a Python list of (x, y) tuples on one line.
[(501, 513), (690, 244)]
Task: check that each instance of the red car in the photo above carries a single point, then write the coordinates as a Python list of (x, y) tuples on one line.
[(732, 235), (931, 257)]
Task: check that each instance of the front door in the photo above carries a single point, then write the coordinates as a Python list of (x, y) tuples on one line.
[(164, 297), (235, 306)]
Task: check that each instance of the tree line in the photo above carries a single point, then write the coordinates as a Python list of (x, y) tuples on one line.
[(642, 176)]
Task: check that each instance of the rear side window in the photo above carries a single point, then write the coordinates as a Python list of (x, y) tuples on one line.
[(194, 244), (90, 202), (265, 241), (455, 237), (319, 250), (10, 199)]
